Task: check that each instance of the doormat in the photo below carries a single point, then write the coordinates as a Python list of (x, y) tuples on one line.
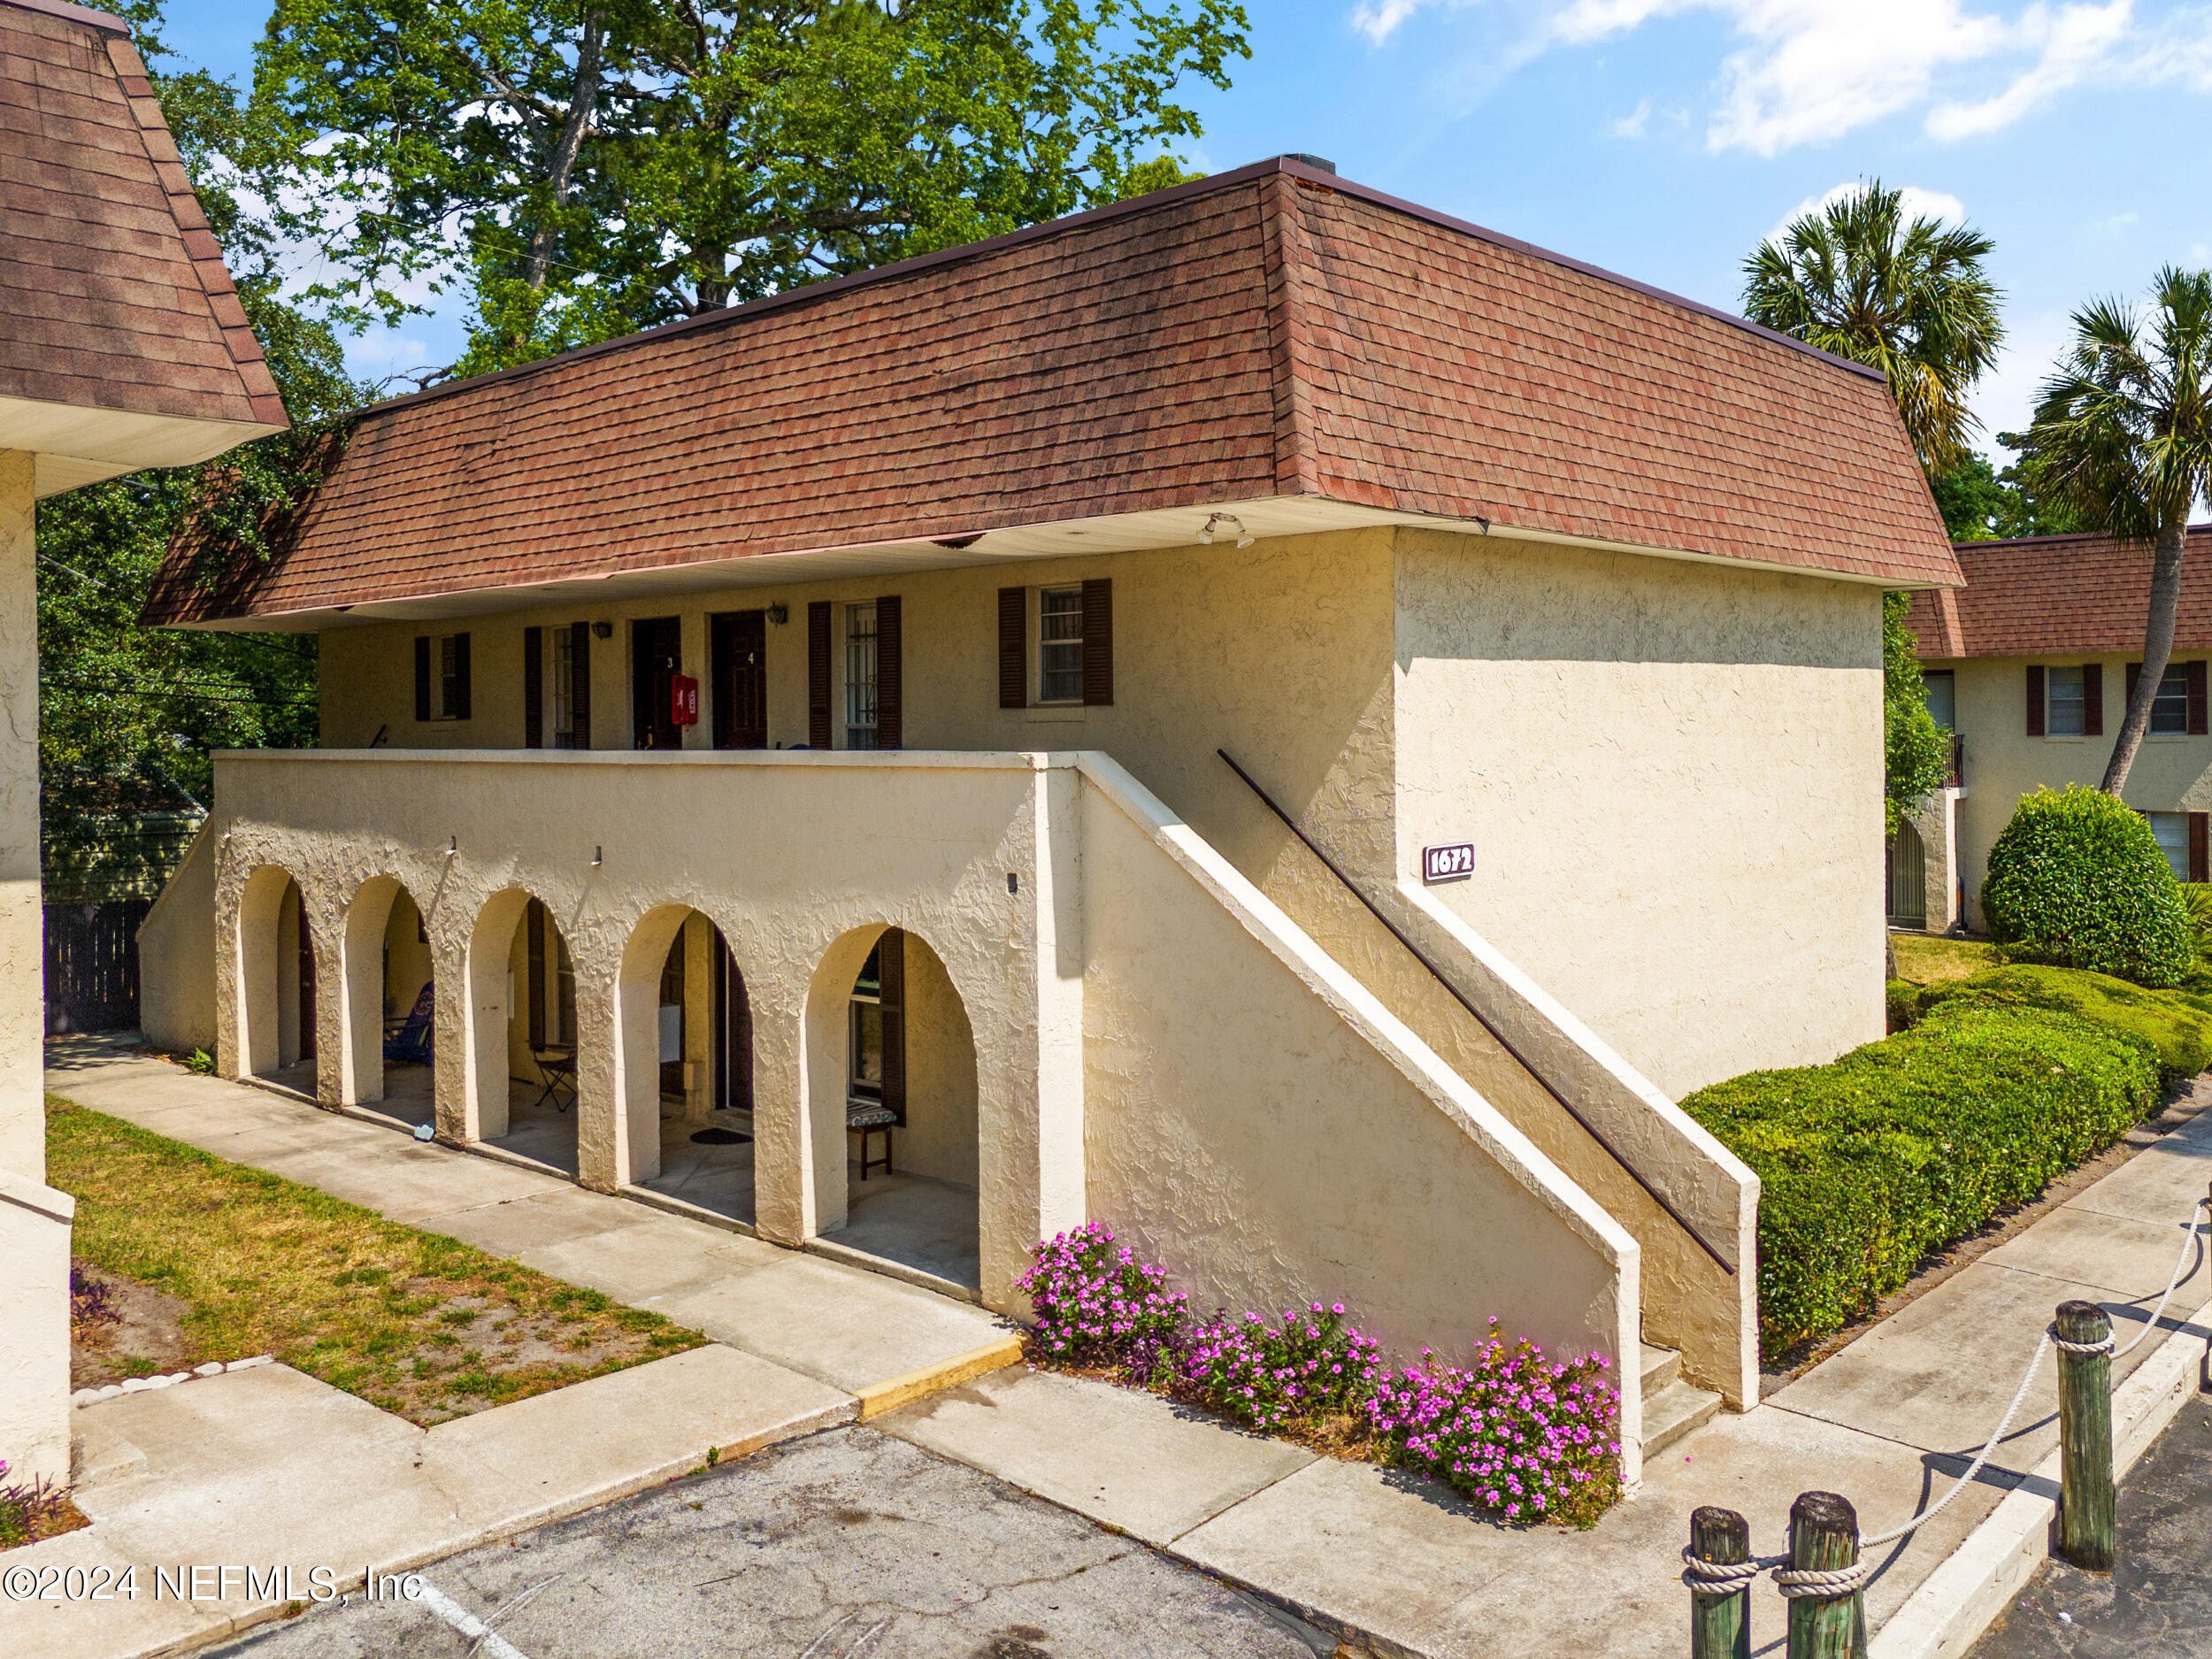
[(719, 1138)]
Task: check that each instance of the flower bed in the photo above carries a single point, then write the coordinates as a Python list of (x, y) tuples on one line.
[(1531, 1437)]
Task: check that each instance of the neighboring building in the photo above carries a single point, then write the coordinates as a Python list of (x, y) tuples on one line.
[(973, 569), (122, 346), (2031, 666)]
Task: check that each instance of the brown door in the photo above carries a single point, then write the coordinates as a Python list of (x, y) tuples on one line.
[(737, 646), (656, 659)]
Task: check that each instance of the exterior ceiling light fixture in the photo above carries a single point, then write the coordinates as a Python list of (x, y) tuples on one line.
[(779, 614), (1225, 523)]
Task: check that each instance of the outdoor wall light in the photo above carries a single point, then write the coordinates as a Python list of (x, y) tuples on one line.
[(779, 614), (602, 630), (453, 847), (1013, 882), (1225, 523), (597, 855)]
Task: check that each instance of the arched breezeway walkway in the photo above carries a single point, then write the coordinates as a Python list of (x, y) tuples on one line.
[(274, 1036), (688, 1076)]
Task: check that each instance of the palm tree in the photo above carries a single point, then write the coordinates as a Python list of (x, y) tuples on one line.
[(1909, 299), (2122, 435)]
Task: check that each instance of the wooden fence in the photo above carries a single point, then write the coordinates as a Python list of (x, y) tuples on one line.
[(92, 964)]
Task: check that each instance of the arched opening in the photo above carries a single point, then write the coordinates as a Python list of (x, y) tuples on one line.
[(897, 1058), (274, 1035), (518, 1084), (389, 1030), (1907, 877), (687, 1064)]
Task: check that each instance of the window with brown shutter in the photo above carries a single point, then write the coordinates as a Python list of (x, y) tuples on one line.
[(533, 688), (534, 934), (2035, 700), (579, 685), (1013, 648), (422, 676), (2198, 723), (458, 701), (2200, 846), (2092, 700), (891, 992), (818, 674), (890, 688), (1098, 643)]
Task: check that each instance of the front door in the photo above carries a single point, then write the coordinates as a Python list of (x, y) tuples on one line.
[(656, 659), (739, 648)]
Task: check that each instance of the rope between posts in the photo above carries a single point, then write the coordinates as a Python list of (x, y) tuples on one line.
[(1718, 1577)]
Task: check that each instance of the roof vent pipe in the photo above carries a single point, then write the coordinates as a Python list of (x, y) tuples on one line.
[(1320, 164)]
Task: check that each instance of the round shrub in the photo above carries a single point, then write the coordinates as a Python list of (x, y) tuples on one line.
[(2077, 882)]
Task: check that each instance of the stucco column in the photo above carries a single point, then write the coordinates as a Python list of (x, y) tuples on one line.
[(1936, 822), (599, 1082), (22, 984), (34, 1220)]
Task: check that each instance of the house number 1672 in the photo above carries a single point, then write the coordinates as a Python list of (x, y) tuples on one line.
[(1454, 863)]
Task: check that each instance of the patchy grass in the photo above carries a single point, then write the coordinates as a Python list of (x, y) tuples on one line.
[(33, 1510), (413, 1322), (1932, 958)]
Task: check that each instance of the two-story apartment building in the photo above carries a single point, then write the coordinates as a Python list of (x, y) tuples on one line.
[(1264, 714), (122, 346), (2031, 666)]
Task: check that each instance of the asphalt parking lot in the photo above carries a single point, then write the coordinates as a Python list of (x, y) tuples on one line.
[(848, 1545)]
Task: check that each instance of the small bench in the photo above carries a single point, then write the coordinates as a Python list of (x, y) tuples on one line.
[(863, 1117)]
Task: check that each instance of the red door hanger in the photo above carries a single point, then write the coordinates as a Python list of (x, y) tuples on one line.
[(683, 698)]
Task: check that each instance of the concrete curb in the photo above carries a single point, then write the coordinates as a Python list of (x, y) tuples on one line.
[(829, 1250), (1956, 1602), (889, 1395)]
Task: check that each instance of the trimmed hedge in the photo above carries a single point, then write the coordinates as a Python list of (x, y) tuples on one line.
[(1901, 1146), (2076, 880), (2177, 1023)]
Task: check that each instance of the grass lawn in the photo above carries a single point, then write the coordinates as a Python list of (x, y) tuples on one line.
[(1928, 959), (412, 1322)]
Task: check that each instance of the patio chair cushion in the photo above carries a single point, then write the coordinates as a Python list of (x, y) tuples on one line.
[(859, 1117)]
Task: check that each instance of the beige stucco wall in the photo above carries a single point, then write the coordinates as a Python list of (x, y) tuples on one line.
[(1671, 773), (176, 957), (2170, 774), (34, 1220), (940, 1137)]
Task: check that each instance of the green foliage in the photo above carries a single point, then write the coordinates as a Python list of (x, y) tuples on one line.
[(586, 169), (1904, 1146), (1980, 503), (1902, 998), (2177, 1023), (1916, 751), (2196, 898), (1908, 298), (2077, 881)]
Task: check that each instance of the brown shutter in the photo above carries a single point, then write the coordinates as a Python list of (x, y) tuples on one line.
[(1013, 648), (891, 992), (2200, 846), (2035, 700), (422, 676), (2199, 725), (533, 688), (2135, 673), (1098, 642), (463, 703), (535, 933), (890, 686), (2093, 699), (818, 674), (579, 685)]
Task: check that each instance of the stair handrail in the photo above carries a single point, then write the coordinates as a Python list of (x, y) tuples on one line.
[(1483, 1020)]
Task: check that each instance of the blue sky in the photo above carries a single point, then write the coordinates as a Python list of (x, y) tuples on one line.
[(1663, 138)]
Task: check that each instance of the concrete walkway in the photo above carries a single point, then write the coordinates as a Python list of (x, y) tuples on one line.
[(1391, 1563)]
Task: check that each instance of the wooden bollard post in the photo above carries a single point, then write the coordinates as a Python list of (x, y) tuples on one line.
[(1823, 1538), (1720, 1611), (2086, 1500)]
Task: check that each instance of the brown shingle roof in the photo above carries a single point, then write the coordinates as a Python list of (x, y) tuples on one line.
[(115, 294), (1270, 332), (2067, 595)]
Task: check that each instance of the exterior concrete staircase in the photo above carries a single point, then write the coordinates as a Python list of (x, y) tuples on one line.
[(1672, 1408)]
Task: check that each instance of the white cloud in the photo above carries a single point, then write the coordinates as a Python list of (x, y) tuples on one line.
[(1805, 71), (1633, 124), (1939, 205)]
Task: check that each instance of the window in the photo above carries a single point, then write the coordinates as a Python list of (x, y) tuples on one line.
[(563, 993), (1943, 697), (448, 679), (564, 689), (1060, 645), (2171, 830), (2170, 709), (863, 1068), (441, 677), (860, 676), (2067, 704)]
